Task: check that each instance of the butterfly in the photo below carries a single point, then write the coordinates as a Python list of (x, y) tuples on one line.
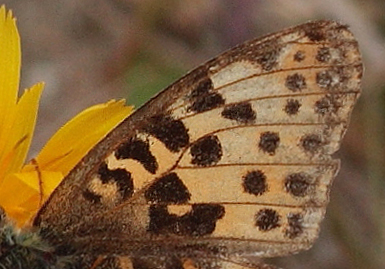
[(230, 164)]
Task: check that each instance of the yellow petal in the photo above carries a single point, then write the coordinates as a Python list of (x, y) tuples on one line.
[(22, 194), (9, 61), (66, 148), (9, 76), (18, 131), (62, 152)]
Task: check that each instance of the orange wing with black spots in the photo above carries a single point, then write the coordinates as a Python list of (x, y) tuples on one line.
[(229, 164)]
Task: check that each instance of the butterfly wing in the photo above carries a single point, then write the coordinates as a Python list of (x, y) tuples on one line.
[(233, 161), (165, 262)]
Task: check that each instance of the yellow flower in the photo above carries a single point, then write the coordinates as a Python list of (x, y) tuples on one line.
[(23, 188)]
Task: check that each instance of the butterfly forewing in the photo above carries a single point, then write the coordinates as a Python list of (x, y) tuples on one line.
[(232, 162)]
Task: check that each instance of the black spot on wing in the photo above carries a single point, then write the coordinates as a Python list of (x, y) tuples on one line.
[(267, 219), (299, 56), (311, 142), (292, 107), (173, 133), (206, 151), (207, 102), (297, 184), (120, 176), (323, 55), (269, 142), (242, 112), (295, 82), (161, 221), (200, 221), (295, 228), (138, 150), (203, 97), (326, 105), (168, 189), (254, 182), (203, 87)]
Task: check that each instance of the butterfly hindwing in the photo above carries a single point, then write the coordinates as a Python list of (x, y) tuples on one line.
[(231, 162)]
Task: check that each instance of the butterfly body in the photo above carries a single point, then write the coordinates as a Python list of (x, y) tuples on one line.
[(230, 164)]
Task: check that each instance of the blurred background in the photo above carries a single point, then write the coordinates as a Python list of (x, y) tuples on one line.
[(91, 51)]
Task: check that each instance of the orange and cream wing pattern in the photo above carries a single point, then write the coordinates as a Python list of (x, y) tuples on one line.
[(230, 164)]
